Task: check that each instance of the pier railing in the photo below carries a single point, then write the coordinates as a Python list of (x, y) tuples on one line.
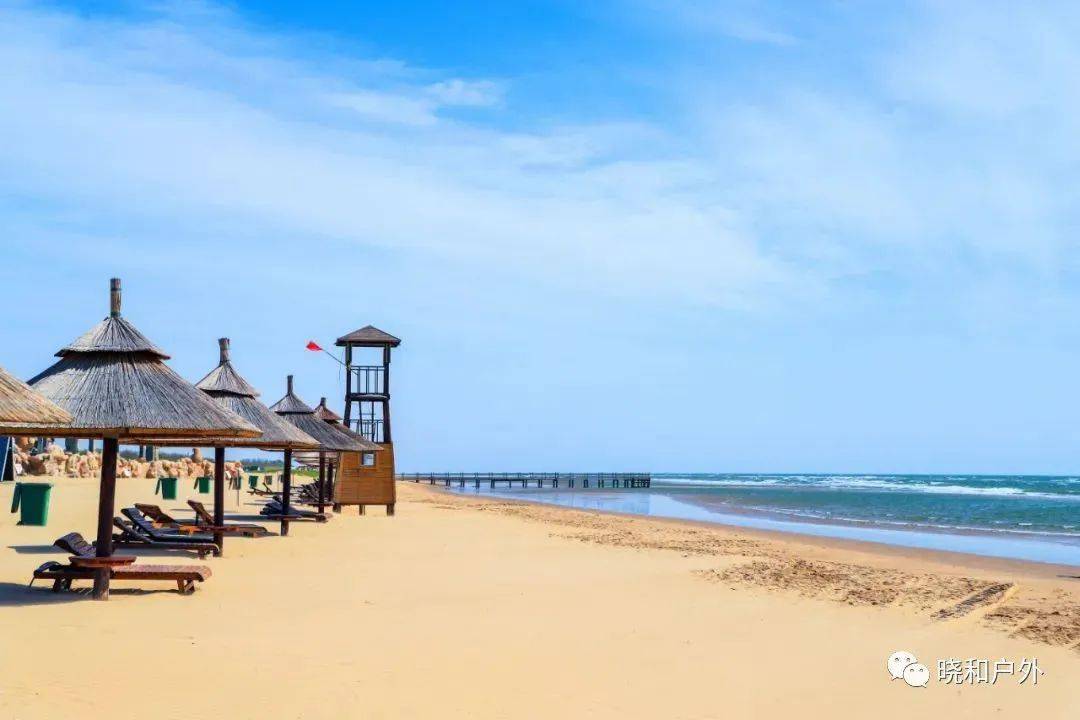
[(533, 480)]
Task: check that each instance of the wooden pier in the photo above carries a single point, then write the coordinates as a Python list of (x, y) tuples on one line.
[(533, 480)]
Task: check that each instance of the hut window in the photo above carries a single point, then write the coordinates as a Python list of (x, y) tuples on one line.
[(368, 459)]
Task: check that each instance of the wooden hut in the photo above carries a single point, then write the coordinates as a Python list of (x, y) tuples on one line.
[(116, 386), (334, 440), (230, 390)]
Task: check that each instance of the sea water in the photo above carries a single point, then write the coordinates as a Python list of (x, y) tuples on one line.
[(1013, 516)]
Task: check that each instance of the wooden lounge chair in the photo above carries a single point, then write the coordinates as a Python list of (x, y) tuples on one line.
[(75, 544), (205, 520), (265, 490), (299, 495), (138, 532), (159, 517), (177, 532), (274, 510), (309, 494), (62, 575)]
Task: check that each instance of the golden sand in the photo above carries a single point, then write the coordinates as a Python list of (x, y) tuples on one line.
[(479, 608)]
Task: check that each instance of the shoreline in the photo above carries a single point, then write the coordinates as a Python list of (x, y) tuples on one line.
[(947, 558), (1034, 547), (1039, 601)]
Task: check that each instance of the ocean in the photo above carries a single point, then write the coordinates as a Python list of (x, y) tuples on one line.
[(1028, 517)]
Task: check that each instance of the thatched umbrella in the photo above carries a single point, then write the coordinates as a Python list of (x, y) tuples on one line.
[(326, 414), (22, 410), (230, 390), (116, 386), (332, 438)]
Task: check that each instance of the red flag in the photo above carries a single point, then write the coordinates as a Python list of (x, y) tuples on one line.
[(312, 345)]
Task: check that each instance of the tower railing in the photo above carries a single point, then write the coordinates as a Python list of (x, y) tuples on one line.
[(368, 379), (371, 429)]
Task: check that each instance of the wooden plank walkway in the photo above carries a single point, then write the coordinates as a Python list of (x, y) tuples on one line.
[(535, 480)]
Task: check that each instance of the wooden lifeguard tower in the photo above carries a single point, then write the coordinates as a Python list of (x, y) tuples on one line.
[(367, 478)]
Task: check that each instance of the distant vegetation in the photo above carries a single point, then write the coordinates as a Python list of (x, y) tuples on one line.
[(134, 455)]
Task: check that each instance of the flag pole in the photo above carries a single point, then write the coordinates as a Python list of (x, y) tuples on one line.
[(312, 345)]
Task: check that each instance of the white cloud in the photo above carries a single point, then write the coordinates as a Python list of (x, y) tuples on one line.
[(464, 93), (945, 156), (386, 107), (419, 105), (952, 152), (209, 126)]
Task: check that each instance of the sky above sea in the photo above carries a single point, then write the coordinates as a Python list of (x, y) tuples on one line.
[(687, 236)]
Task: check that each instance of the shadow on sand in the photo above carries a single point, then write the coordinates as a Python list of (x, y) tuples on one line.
[(36, 549), (18, 595), (160, 552)]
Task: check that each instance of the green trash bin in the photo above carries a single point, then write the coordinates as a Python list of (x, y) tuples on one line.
[(253, 481), (166, 488), (203, 483), (33, 500)]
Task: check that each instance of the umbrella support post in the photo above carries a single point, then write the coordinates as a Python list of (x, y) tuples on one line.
[(106, 507), (330, 485), (286, 492), (219, 497), (322, 482)]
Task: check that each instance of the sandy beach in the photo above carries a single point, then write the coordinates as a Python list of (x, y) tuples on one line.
[(481, 608)]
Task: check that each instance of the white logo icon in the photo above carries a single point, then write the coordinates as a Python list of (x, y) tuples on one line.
[(898, 661), (903, 664), (916, 675)]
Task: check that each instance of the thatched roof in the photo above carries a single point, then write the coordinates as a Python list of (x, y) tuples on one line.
[(290, 404), (113, 334), (277, 434), (22, 408), (334, 438), (231, 391), (326, 414), (368, 336), (114, 383), (224, 378)]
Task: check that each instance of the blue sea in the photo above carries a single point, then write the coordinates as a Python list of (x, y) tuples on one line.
[(1012, 516)]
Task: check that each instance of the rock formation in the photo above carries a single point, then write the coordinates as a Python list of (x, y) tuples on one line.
[(55, 462)]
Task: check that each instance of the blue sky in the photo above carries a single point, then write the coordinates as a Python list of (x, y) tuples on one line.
[(686, 236)]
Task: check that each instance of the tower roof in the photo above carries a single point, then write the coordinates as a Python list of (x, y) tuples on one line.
[(368, 336)]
